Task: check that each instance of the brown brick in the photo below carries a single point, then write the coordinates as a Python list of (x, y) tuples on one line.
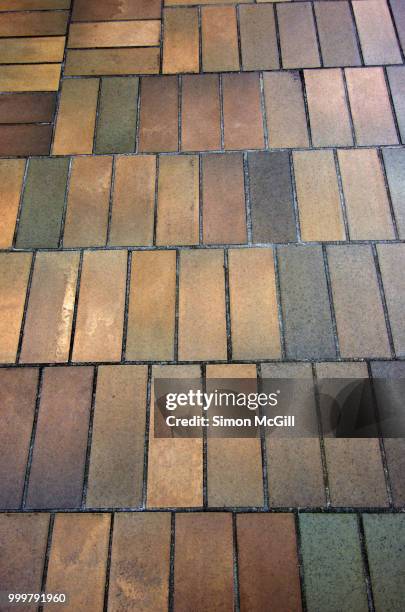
[(151, 314), (268, 563), (74, 132), (258, 37), (318, 197), (299, 48), (254, 313), (11, 179), (114, 34), (27, 77), (23, 539), (100, 315), (134, 199), (27, 107), (181, 40), (94, 10), (18, 390), (21, 140), (392, 264), (88, 202), (32, 50), (337, 34), (33, 24), (366, 198), (376, 32), (94, 62), (159, 114), (207, 582), (57, 471), (223, 199), (78, 560), (14, 5), (359, 314), (178, 200), (328, 113), (200, 113), (285, 110), (219, 39), (117, 445), (51, 303), (140, 562), (370, 106), (243, 121), (14, 273), (175, 466), (234, 469)]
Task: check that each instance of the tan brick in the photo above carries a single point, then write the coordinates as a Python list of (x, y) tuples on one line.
[(27, 77), (32, 50), (159, 114), (11, 179), (297, 35), (181, 41), (258, 38), (318, 197), (94, 62), (151, 315), (200, 114), (114, 34), (14, 273), (376, 32), (219, 39), (243, 121)]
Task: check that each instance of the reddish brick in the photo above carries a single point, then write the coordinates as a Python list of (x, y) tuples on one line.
[(181, 41), (200, 113), (159, 114), (22, 139), (299, 47), (11, 179), (243, 121), (219, 39), (14, 273), (27, 107)]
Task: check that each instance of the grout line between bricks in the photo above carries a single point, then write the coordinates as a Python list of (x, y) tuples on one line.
[(263, 445), (331, 301), (394, 24), (383, 300), (108, 563), (204, 442), (321, 438), (366, 568), (89, 439), (148, 409), (32, 439), (236, 592), (65, 204), (111, 200), (349, 108), (277, 277), (227, 307), (126, 307), (318, 41), (25, 309), (356, 32), (172, 563), (248, 210), (47, 556), (341, 195), (20, 203), (177, 308), (76, 306), (264, 111), (300, 561)]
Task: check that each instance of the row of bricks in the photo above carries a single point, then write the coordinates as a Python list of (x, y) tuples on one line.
[(158, 561), (186, 113), (48, 468), (167, 201), (83, 298)]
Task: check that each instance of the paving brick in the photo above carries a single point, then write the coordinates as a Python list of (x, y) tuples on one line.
[(27, 77), (370, 106), (299, 47), (23, 540), (133, 202), (114, 34), (78, 560), (223, 199), (43, 203), (117, 445), (88, 202), (268, 563), (200, 113), (25, 139), (187, 2), (18, 390), (13, 5), (392, 264), (33, 24), (74, 132), (333, 568), (376, 32), (207, 582), (285, 110), (394, 160), (396, 77), (11, 179), (27, 107), (140, 562), (243, 122), (385, 542), (159, 114), (51, 303), (181, 41), (116, 123), (178, 200), (354, 465), (337, 34), (32, 50), (94, 62), (175, 466), (94, 10), (328, 113), (359, 314), (14, 273), (234, 466), (100, 315), (254, 312), (151, 315), (367, 205), (258, 37), (398, 11), (58, 461), (318, 196), (300, 457), (305, 303), (219, 39), (202, 328), (271, 199)]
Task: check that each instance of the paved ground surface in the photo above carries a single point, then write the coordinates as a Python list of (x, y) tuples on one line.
[(212, 190)]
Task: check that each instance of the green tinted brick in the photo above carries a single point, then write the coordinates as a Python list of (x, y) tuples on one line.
[(117, 115)]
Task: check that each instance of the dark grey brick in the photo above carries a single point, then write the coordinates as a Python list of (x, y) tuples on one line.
[(337, 34)]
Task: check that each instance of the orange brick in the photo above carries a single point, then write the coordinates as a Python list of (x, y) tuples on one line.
[(178, 200), (134, 200), (114, 34), (376, 32), (14, 273), (202, 327), (32, 50), (151, 314), (159, 114), (50, 308), (100, 316), (94, 62), (11, 178), (75, 124), (200, 113), (299, 47), (243, 121), (219, 39), (181, 41)]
